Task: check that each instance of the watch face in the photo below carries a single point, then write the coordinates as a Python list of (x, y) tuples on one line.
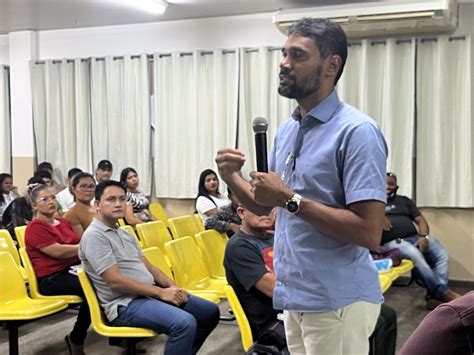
[(292, 206)]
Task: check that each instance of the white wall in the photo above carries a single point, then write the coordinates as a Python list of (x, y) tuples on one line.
[(220, 32), (4, 49)]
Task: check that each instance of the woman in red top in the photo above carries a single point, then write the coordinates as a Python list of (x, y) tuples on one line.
[(52, 247)]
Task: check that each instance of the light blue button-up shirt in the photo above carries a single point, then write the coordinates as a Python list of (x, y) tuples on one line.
[(335, 155)]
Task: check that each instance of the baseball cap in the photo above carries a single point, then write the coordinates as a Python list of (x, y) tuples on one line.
[(105, 165)]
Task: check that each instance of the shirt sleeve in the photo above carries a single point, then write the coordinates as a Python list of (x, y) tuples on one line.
[(364, 164), (38, 236), (412, 209), (247, 264), (203, 205), (98, 252), (218, 221), (72, 218)]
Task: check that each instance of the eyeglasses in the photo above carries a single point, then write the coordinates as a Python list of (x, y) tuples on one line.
[(46, 199), (87, 187)]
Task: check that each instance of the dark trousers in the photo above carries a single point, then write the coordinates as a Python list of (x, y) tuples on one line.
[(64, 283), (384, 338)]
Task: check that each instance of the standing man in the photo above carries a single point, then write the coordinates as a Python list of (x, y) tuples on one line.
[(104, 171), (327, 180)]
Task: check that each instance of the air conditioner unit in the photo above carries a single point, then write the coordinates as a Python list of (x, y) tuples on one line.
[(380, 19)]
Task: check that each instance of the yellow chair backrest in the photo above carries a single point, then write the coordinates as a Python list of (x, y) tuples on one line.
[(186, 261), (198, 220), (20, 236), (156, 257), (157, 211), (12, 286), (213, 244), (97, 319), (183, 226), (130, 230), (33, 282), (153, 234), (121, 222), (7, 245), (242, 321)]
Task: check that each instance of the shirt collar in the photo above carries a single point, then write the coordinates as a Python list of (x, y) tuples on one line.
[(323, 111), (102, 226)]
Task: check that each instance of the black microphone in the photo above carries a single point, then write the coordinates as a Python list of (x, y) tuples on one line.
[(260, 126)]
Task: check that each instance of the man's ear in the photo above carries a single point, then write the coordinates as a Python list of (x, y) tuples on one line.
[(333, 65), (240, 212)]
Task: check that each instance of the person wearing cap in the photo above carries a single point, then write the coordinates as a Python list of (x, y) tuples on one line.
[(104, 171), (426, 252)]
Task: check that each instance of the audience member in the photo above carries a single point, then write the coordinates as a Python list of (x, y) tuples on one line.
[(65, 196), (82, 214), (49, 167), (448, 330), (426, 252), (46, 176), (209, 199), (52, 247), (20, 212), (8, 192), (226, 219), (131, 290), (104, 171), (137, 207)]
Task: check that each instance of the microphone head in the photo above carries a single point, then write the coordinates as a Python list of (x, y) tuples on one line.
[(260, 125)]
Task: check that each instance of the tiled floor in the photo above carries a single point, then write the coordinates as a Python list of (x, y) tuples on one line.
[(46, 336)]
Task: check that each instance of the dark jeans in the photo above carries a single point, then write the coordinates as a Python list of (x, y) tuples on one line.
[(187, 326), (384, 338), (64, 283)]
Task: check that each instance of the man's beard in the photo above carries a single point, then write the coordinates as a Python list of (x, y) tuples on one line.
[(300, 91)]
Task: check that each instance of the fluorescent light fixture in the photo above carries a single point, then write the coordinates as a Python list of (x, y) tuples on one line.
[(155, 7)]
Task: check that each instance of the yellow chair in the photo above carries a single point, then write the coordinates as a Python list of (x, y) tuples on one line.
[(20, 236), (15, 305), (156, 257), (153, 234), (100, 325), (242, 321), (198, 220), (121, 222), (33, 283), (212, 245), (157, 211), (7, 244), (189, 269), (130, 230), (183, 226)]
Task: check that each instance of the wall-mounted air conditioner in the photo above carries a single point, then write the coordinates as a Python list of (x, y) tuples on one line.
[(380, 19)]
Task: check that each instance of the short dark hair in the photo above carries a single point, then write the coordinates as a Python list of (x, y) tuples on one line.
[(72, 172), (100, 188), (328, 36), (45, 165), (43, 174)]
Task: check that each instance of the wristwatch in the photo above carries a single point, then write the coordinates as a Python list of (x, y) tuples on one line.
[(293, 204)]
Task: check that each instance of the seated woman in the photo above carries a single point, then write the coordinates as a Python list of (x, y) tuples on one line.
[(137, 206), (209, 199), (8, 192), (83, 212), (52, 247)]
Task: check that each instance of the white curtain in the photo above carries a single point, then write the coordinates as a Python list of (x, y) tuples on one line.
[(120, 115), (5, 127), (445, 134), (379, 79), (61, 115), (196, 114), (259, 81)]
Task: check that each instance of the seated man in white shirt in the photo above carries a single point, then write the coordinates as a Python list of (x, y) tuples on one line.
[(65, 196)]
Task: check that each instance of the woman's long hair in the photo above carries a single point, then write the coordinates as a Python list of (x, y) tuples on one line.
[(202, 189), (124, 175)]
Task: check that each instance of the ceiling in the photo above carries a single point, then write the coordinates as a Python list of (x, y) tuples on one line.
[(17, 15)]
